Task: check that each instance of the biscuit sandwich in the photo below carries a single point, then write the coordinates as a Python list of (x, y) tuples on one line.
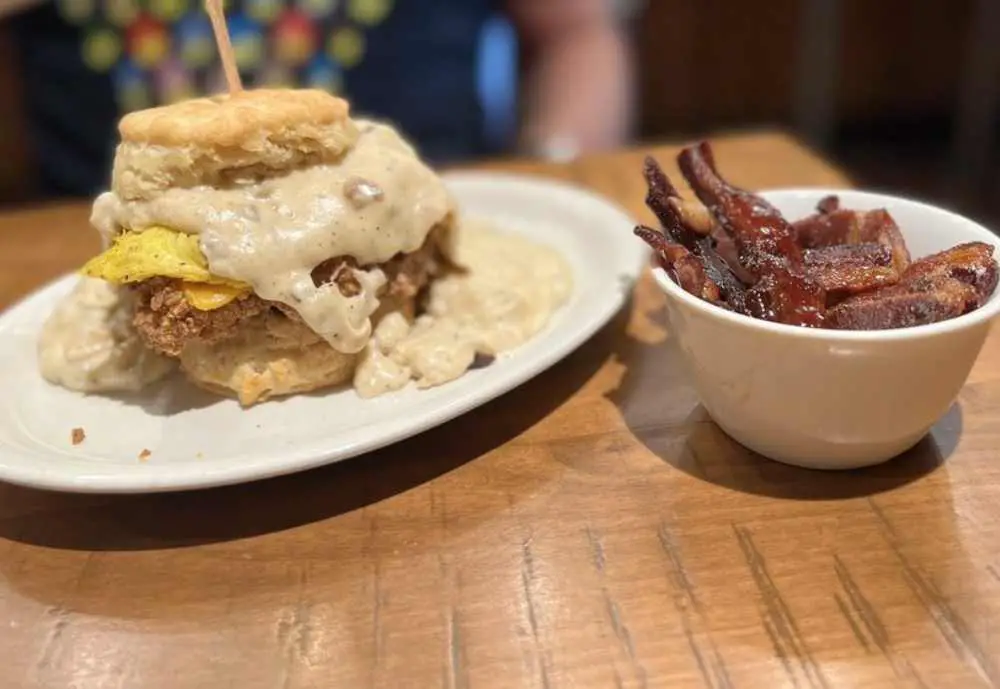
[(265, 233)]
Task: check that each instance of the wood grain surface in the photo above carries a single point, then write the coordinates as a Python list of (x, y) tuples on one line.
[(591, 529)]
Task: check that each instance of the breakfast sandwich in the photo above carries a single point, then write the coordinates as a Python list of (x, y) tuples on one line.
[(264, 234)]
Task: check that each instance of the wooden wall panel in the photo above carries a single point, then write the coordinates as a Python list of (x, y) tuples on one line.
[(711, 63), (16, 172), (901, 57)]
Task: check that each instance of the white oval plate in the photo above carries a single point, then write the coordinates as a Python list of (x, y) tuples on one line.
[(197, 441)]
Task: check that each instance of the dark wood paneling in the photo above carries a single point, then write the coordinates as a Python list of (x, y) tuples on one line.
[(16, 171), (706, 63)]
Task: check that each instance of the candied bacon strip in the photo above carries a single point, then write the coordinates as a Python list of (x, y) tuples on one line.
[(971, 263), (828, 204), (762, 235), (766, 244), (728, 252), (851, 268), (828, 229), (683, 225), (732, 290), (935, 288), (784, 297), (681, 265), (683, 221), (853, 227), (880, 227), (694, 216), (657, 242), (901, 307), (871, 253), (659, 193)]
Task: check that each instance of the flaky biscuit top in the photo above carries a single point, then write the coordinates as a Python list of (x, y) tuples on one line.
[(216, 140)]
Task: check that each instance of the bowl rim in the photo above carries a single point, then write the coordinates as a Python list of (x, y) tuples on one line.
[(983, 314)]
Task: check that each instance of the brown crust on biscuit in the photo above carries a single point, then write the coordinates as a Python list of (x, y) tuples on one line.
[(218, 141), (274, 356), (233, 121)]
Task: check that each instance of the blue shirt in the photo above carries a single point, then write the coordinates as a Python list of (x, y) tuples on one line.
[(87, 62)]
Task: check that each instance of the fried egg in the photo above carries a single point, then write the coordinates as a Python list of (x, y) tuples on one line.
[(135, 256)]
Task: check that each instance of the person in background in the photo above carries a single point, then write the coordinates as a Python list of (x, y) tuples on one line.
[(417, 64)]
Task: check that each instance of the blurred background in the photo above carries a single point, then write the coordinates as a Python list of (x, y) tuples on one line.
[(904, 95)]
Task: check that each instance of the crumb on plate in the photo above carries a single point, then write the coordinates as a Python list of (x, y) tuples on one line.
[(144, 455), (77, 436)]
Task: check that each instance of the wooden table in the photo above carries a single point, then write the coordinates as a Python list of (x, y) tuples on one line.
[(592, 529)]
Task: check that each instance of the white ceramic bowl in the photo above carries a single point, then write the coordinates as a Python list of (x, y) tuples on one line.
[(829, 399)]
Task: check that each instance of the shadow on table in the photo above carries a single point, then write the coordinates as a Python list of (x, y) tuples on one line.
[(170, 520), (677, 429)]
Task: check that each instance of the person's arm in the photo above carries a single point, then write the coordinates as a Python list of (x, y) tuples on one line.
[(578, 77)]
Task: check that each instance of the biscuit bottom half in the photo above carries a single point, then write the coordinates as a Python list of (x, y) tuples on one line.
[(275, 356)]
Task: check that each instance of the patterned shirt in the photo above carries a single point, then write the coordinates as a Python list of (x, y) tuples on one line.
[(87, 62)]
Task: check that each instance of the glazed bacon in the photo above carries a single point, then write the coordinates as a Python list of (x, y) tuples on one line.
[(762, 236), (776, 286), (683, 229), (851, 268), (936, 288), (683, 266), (832, 226), (838, 268)]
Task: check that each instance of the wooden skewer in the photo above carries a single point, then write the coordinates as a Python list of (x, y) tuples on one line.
[(225, 46)]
